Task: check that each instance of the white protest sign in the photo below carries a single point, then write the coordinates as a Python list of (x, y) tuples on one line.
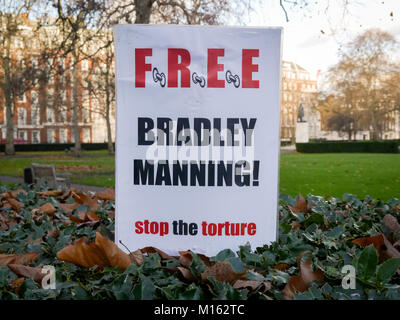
[(197, 147)]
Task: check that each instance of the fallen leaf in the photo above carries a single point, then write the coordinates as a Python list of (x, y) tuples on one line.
[(47, 208), (186, 274), (103, 253), (50, 193), (222, 271), (68, 207), (82, 198), (300, 206), (382, 245), (114, 255), (186, 258), (251, 284), (53, 233), (136, 257), (15, 204), (162, 254), (84, 254), (16, 284), (282, 266), (34, 273), (108, 194), (19, 258), (302, 282), (15, 193), (391, 222), (295, 225)]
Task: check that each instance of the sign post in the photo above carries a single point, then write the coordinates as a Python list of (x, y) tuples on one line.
[(197, 147)]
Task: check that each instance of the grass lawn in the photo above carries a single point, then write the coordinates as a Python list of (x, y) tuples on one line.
[(92, 168), (377, 175), (333, 174)]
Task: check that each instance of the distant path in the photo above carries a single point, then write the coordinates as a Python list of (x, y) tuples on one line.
[(79, 187), (291, 149)]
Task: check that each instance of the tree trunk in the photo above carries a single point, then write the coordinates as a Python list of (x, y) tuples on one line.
[(75, 111), (10, 149), (109, 134), (143, 11)]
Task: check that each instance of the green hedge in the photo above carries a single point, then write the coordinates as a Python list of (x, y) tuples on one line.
[(349, 146), (55, 147)]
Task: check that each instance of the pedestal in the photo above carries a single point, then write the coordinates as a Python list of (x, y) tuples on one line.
[(302, 134)]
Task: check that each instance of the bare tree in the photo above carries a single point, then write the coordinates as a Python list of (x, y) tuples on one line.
[(76, 21), (18, 72), (176, 11), (361, 82), (101, 84)]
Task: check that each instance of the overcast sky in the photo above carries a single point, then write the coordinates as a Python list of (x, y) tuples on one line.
[(313, 35)]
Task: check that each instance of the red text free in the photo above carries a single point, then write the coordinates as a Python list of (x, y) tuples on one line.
[(179, 61)]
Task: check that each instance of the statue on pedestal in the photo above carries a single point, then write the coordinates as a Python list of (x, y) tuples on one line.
[(300, 114)]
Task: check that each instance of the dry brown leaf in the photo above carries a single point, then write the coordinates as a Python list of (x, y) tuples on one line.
[(19, 258), (15, 204), (108, 194), (84, 217), (162, 254), (222, 271), (251, 284), (47, 208), (282, 266), (103, 253), (137, 257), (16, 284), (83, 253), (50, 193), (382, 245), (27, 272), (6, 223), (53, 233), (91, 216), (186, 274), (391, 222), (15, 193), (185, 258), (114, 255), (302, 282), (68, 207), (82, 198), (295, 225), (300, 206)]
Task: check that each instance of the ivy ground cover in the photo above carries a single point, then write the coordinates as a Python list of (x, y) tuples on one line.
[(328, 248)]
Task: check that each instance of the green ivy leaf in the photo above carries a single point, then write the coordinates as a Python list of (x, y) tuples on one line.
[(367, 262), (387, 269)]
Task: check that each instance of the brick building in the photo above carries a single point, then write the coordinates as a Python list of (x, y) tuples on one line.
[(43, 114), (297, 88)]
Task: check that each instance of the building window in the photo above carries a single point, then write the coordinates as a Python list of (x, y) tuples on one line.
[(34, 98), (85, 114), (22, 97), (21, 116), (35, 115), (23, 135), (36, 136), (63, 114), (85, 65), (51, 136), (63, 135), (50, 115), (86, 135)]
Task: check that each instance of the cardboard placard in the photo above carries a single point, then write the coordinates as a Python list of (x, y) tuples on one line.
[(197, 147)]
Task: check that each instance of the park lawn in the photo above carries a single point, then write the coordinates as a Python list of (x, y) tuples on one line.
[(92, 168), (329, 174), (333, 174)]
